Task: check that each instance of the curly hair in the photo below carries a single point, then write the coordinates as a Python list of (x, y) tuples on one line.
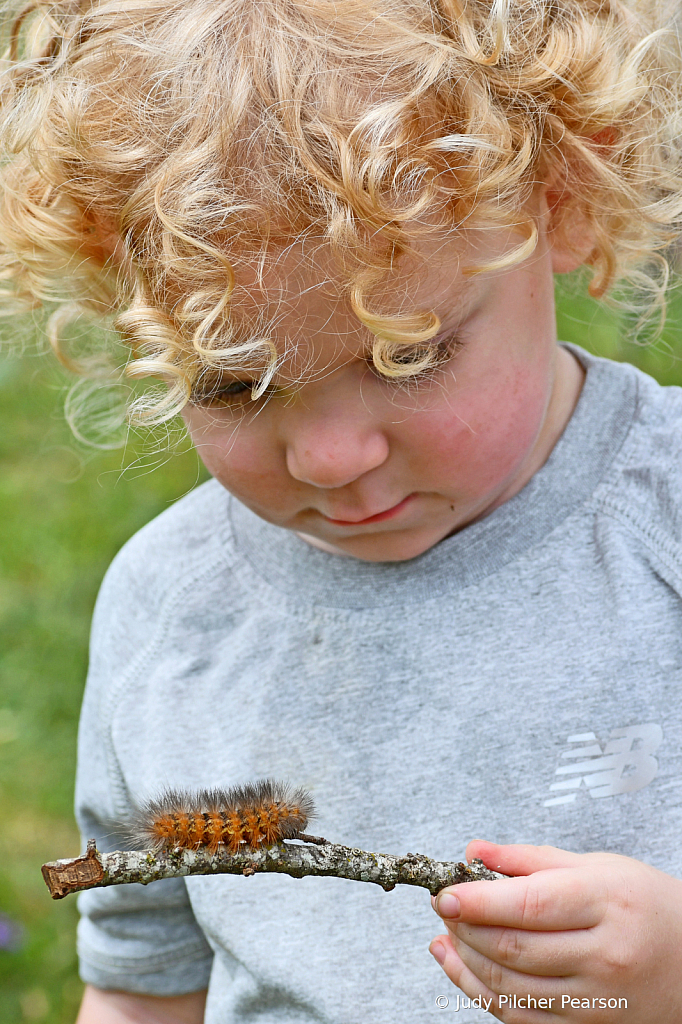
[(151, 149)]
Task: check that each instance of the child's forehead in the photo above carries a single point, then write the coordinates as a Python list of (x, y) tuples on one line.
[(301, 288), (300, 302)]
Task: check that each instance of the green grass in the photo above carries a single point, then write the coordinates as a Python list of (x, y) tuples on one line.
[(64, 512)]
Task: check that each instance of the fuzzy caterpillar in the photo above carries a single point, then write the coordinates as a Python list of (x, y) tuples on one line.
[(257, 814)]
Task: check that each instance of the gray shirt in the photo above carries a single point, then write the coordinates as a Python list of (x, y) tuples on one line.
[(518, 682)]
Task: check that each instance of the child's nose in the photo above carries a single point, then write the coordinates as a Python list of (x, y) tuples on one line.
[(333, 452)]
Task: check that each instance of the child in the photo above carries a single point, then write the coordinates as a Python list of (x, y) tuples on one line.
[(436, 578)]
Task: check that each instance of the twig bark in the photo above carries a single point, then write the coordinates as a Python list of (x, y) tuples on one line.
[(100, 869)]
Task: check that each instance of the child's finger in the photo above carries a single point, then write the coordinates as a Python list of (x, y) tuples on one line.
[(546, 901), (548, 954), (501, 979), (459, 974), (519, 858)]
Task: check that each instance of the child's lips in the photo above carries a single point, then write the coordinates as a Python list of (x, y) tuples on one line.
[(378, 517)]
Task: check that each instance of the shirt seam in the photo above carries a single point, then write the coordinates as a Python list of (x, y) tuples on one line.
[(658, 543)]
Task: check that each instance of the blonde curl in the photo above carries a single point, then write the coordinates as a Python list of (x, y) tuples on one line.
[(150, 149)]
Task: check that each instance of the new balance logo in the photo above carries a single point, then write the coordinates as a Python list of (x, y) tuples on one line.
[(625, 765)]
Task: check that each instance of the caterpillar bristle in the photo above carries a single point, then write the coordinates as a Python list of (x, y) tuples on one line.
[(254, 815)]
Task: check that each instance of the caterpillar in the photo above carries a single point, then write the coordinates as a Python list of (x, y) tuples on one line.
[(257, 814)]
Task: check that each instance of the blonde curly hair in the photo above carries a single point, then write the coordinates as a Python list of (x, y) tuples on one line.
[(151, 148)]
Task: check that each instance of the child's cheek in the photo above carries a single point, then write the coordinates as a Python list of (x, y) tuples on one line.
[(483, 438), (246, 463)]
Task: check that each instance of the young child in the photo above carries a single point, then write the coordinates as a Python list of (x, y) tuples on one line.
[(437, 576)]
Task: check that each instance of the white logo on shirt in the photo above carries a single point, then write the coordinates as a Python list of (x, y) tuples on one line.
[(625, 765)]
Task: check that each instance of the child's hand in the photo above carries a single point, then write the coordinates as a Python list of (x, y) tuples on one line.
[(592, 926)]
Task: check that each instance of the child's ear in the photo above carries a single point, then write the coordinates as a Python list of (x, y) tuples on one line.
[(570, 234)]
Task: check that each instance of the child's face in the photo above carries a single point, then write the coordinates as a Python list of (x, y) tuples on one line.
[(380, 471)]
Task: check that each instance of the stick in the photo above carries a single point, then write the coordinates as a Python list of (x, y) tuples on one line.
[(100, 869)]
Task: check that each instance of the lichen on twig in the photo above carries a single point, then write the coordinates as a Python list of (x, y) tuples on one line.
[(312, 857)]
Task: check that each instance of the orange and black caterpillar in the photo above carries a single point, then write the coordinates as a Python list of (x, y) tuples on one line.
[(254, 815)]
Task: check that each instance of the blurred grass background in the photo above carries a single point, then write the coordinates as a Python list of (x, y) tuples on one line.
[(64, 512)]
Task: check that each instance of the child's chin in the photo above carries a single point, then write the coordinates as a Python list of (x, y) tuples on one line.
[(388, 546)]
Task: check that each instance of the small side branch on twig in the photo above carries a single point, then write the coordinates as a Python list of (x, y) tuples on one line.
[(121, 867)]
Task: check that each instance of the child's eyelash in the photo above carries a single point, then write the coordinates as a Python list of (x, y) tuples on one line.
[(258, 814), (232, 393)]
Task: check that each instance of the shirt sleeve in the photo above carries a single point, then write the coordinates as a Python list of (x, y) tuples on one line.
[(142, 939), (134, 938)]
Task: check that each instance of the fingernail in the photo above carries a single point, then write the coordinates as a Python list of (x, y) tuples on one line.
[(437, 950), (447, 905)]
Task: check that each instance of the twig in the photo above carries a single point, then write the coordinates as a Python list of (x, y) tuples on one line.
[(100, 869)]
